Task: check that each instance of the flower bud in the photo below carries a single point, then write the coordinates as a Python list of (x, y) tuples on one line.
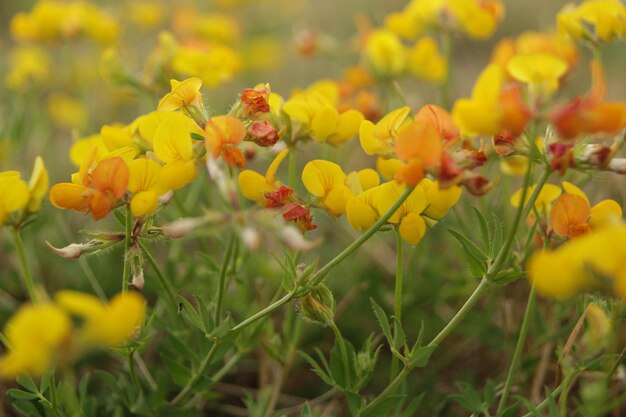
[(296, 241), (318, 305)]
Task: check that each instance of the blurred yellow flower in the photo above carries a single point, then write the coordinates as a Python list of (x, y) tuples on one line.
[(379, 138), (593, 19), (425, 61), (184, 93), (385, 53), (540, 71), (66, 111), (14, 194), (27, 64)]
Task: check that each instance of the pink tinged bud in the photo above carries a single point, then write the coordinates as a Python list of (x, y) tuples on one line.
[(263, 133), (251, 238), (138, 282), (166, 198), (597, 155), (618, 165), (182, 227), (72, 251), (294, 239)]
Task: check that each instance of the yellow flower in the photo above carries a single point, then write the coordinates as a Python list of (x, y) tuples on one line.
[(143, 183), (439, 200), (37, 185), (28, 64), (604, 214), (589, 262), (16, 196), (594, 19), (111, 324), (34, 335), (482, 113), (379, 138), (548, 193), (385, 53), (477, 18), (145, 14), (327, 181), (212, 63), (412, 226), (541, 71), (361, 209), (184, 93), (255, 186), (426, 62), (314, 113), (173, 145), (66, 111), (388, 167)]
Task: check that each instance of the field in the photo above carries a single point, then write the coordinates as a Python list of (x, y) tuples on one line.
[(312, 208)]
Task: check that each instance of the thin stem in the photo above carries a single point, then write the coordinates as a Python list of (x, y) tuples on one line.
[(28, 278), (131, 370), (127, 238), (387, 391), (397, 306), (169, 291), (267, 310), (292, 167), (318, 277), (196, 375), (545, 402), (460, 315), (446, 46), (517, 354), (222, 279)]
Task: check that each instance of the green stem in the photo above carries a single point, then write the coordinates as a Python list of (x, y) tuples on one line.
[(127, 238), (545, 402), (292, 167), (446, 47), (517, 354), (28, 278), (131, 370), (267, 310), (222, 279), (318, 277), (196, 375), (397, 306), (169, 291), (460, 315), (387, 391)]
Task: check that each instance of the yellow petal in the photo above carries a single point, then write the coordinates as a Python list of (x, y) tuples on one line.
[(254, 186), (388, 167), (320, 177), (144, 203), (336, 200), (412, 228), (572, 189), (368, 178), (604, 214), (38, 185), (79, 303), (324, 123), (360, 214), (117, 321), (144, 174), (177, 174), (347, 127)]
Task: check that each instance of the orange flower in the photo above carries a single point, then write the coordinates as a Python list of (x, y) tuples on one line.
[(97, 191), (569, 216), (221, 135), (419, 144), (590, 114), (441, 119)]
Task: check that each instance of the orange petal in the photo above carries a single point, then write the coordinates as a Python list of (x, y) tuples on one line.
[(420, 140), (569, 215), (70, 196), (411, 174), (223, 129), (110, 175), (440, 119), (100, 204)]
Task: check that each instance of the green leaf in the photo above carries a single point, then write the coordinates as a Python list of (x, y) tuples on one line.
[(27, 409), (399, 340), (468, 398), (420, 356), (27, 382), (110, 382), (223, 329), (507, 276), (192, 315), (196, 136), (482, 225), (490, 392), (324, 375), (383, 322), (22, 395), (411, 409), (355, 402), (210, 263), (476, 258), (306, 411), (179, 373), (498, 236)]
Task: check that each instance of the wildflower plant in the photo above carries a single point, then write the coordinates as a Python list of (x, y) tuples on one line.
[(336, 247)]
